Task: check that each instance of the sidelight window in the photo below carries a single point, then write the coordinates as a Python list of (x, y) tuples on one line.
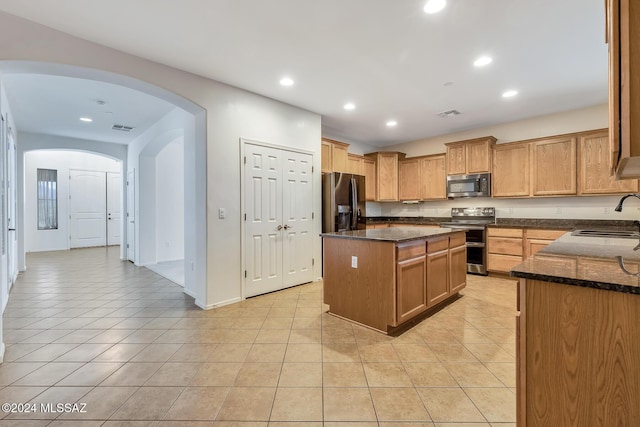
[(47, 199)]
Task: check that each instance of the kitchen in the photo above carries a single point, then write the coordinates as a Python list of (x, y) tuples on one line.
[(553, 207)]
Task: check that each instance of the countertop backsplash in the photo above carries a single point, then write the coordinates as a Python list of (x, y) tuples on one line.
[(586, 207)]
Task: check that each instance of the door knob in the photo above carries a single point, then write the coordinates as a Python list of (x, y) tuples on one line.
[(279, 228), (287, 226)]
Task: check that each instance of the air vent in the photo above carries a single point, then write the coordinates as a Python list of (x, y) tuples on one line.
[(448, 113), (122, 128)]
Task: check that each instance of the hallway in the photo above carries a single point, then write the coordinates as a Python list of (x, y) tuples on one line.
[(83, 326)]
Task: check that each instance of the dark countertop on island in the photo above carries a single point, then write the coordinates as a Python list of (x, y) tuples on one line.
[(416, 220), (593, 262), (394, 234)]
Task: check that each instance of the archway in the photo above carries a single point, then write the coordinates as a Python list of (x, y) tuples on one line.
[(191, 119)]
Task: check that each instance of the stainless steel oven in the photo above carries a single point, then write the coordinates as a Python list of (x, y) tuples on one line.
[(474, 221)]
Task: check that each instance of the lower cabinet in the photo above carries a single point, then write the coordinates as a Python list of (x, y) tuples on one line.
[(507, 247), (437, 271), (411, 271)]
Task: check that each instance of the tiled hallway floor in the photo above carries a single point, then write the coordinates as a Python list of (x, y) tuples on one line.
[(83, 326)]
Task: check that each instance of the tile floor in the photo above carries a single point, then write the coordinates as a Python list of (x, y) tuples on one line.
[(172, 270), (82, 326)]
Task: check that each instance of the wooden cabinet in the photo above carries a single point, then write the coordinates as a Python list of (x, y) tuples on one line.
[(575, 356), (334, 156), (457, 263), (510, 176), (411, 273), (433, 177), (623, 37), (553, 164), (386, 164), (409, 179), (355, 164), (470, 156), (437, 272), (594, 173), (370, 182), (422, 178), (536, 239), (504, 248), (391, 282)]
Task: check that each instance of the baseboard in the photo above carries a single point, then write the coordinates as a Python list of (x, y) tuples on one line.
[(2, 348), (218, 304), (189, 292)]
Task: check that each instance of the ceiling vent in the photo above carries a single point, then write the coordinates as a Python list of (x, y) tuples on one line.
[(122, 128), (448, 113)]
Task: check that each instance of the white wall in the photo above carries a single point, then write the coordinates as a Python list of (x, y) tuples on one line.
[(170, 202), (588, 207), (62, 161)]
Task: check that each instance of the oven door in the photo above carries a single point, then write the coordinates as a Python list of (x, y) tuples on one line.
[(476, 247)]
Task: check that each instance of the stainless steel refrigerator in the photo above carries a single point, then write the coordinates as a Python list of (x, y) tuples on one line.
[(343, 202)]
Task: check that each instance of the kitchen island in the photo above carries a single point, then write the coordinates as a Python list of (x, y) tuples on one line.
[(383, 278), (578, 333)]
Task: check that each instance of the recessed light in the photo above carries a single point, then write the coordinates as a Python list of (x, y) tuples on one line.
[(392, 123), (286, 81), (86, 119), (349, 106), (509, 93), (482, 61), (435, 6)]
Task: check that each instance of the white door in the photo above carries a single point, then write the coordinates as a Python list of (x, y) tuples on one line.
[(297, 209), (12, 242), (277, 196), (114, 187), (87, 208), (131, 204)]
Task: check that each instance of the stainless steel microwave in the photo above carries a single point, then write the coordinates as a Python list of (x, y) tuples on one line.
[(478, 185)]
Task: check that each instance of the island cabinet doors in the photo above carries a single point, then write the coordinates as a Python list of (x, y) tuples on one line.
[(278, 203)]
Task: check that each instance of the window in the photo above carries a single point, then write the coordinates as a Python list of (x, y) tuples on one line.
[(47, 199)]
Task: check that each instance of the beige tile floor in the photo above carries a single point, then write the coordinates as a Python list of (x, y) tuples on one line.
[(82, 326)]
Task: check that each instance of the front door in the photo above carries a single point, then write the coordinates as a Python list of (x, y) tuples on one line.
[(278, 198), (114, 186), (87, 208)]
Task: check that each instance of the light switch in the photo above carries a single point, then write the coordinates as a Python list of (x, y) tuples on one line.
[(221, 213), (354, 262)]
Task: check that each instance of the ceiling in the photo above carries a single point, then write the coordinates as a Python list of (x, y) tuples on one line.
[(389, 58)]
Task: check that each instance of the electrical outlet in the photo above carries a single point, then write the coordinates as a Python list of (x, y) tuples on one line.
[(558, 211), (354, 262), (221, 213), (607, 210), (510, 211)]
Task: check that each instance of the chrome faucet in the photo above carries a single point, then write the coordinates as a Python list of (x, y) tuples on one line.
[(619, 207)]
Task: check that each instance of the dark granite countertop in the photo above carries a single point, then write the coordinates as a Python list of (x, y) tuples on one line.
[(593, 262), (561, 224), (394, 234)]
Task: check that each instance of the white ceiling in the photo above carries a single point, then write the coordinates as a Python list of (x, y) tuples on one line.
[(388, 57)]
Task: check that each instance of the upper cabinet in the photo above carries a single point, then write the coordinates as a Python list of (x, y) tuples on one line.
[(355, 164), (369, 172), (386, 165), (623, 37), (593, 166), (334, 156), (510, 176), (553, 164), (469, 157), (422, 178)]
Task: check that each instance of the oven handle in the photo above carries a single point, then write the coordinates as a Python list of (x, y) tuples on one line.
[(467, 227), (475, 245)]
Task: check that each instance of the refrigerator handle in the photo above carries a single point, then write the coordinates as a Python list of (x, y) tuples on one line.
[(354, 204)]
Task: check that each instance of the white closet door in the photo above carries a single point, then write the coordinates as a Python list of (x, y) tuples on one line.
[(263, 231), (114, 189), (87, 207), (297, 210)]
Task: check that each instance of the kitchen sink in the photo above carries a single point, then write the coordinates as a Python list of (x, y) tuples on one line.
[(610, 234)]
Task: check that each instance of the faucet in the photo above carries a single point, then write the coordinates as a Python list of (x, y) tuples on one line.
[(619, 207)]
